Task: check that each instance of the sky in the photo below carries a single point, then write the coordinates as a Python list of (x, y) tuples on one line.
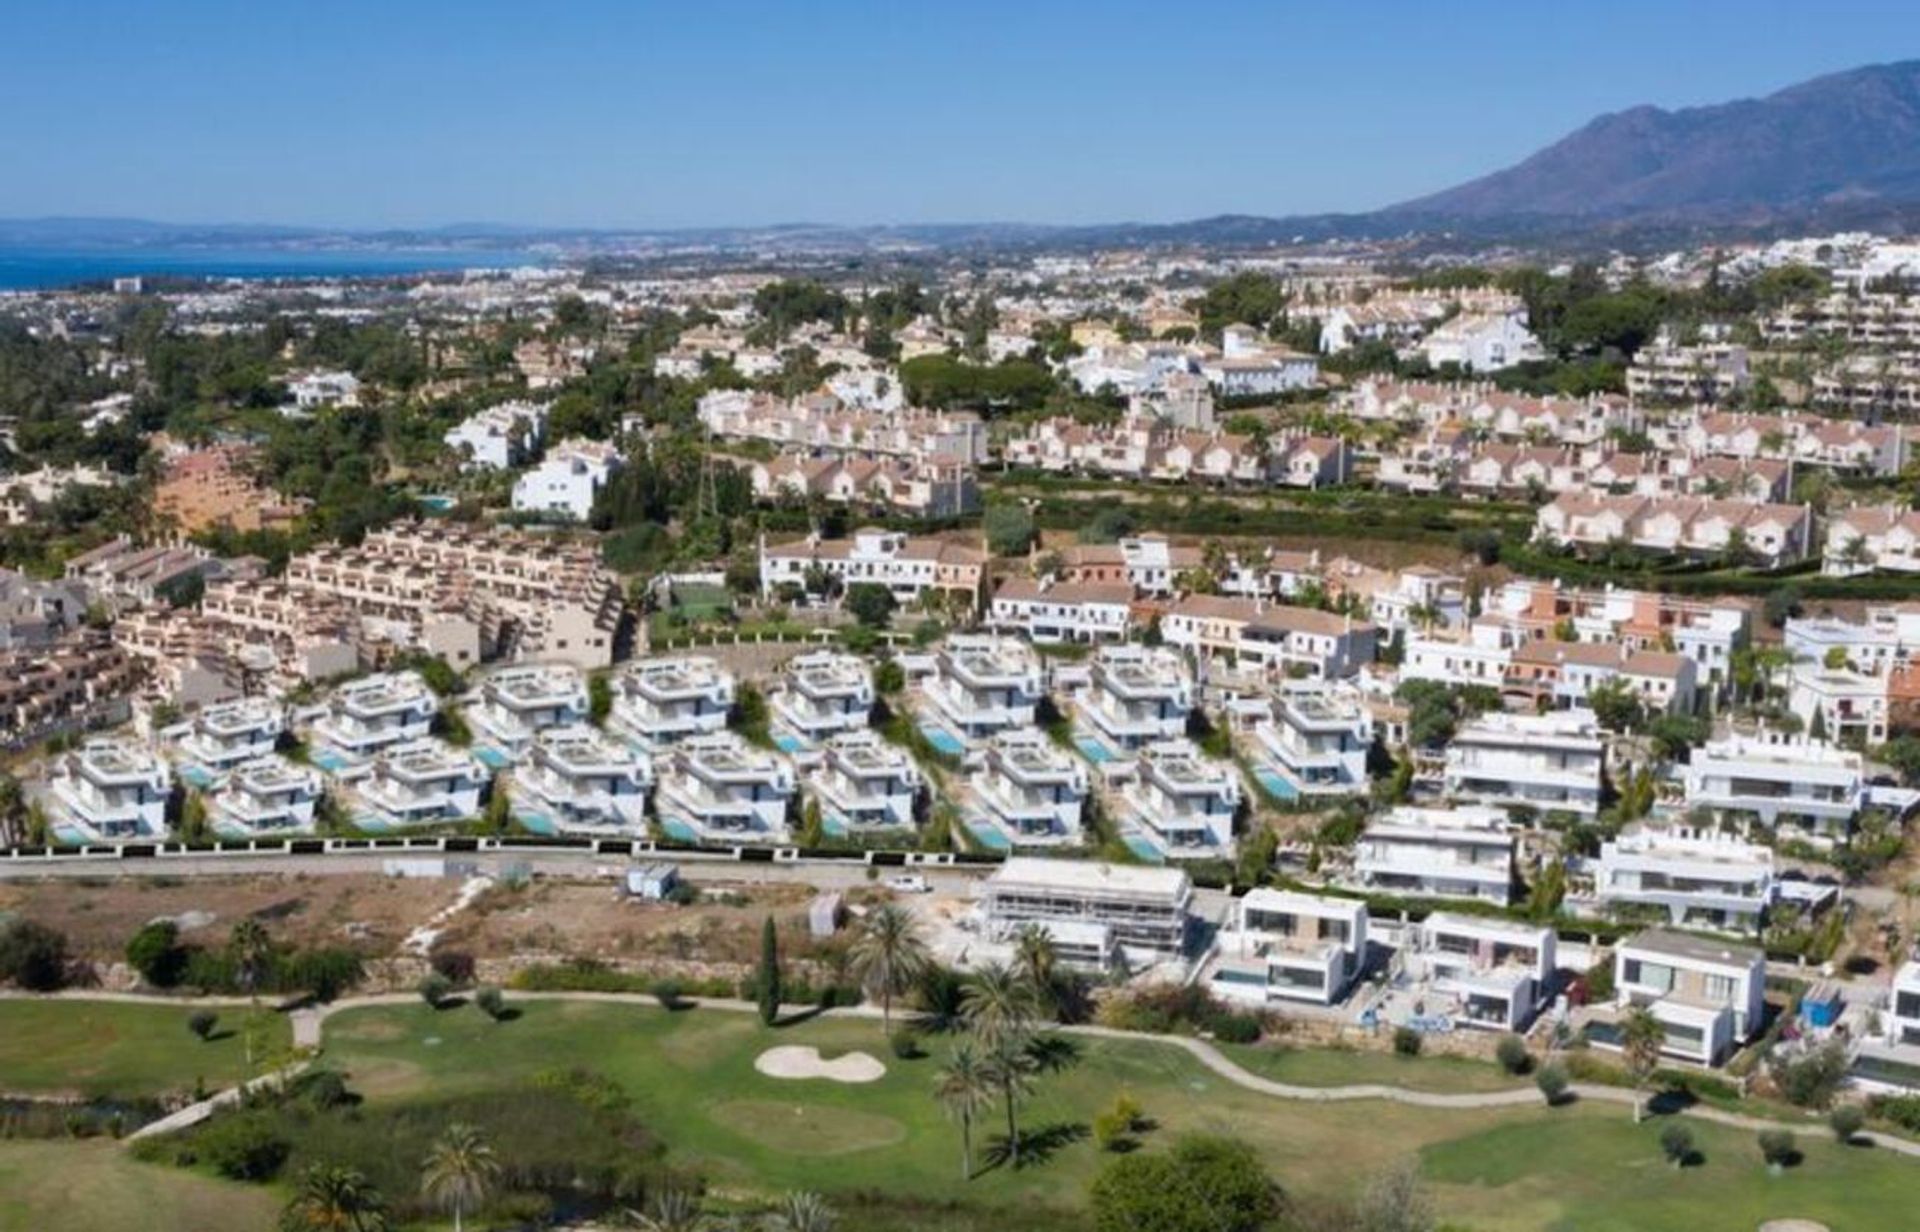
[(415, 113)]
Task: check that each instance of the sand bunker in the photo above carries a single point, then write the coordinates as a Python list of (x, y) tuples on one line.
[(795, 1062)]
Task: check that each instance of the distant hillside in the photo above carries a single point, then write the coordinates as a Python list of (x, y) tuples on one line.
[(1847, 140)]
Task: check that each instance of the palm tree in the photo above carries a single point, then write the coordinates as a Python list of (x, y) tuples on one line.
[(334, 1199), (1036, 962), (888, 956), (966, 1086), (460, 1171), (802, 1212), (672, 1210), (1641, 1038), (252, 954), (1011, 1065), (998, 1006)]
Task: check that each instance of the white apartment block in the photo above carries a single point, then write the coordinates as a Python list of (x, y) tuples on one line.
[(264, 797), (499, 437), (1783, 782), (1492, 973), (1702, 879), (108, 791), (1184, 801), (578, 780), (1438, 853), (908, 567), (718, 788), (1029, 790), (420, 782), (370, 714), (1671, 371), (659, 701), (1708, 996), (864, 783), (1146, 912), (227, 733), (1135, 695), (1049, 611), (567, 480), (514, 704), (1482, 656), (1314, 739), (1884, 638), (820, 694), (1550, 762), (981, 686), (1282, 946)]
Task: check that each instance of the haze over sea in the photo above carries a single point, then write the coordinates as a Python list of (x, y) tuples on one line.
[(28, 268)]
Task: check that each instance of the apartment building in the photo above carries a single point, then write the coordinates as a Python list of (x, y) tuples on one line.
[(1668, 370), (81, 680), (1482, 655), (1707, 631), (1487, 972), (1280, 946), (1702, 879), (420, 782), (820, 694), (109, 790), (863, 784), (657, 702), (1027, 791), (1438, 853), (1313, 741), (981, 685), (1183, 802), (366, 716), (909, 567), (575, 779), (1050, 611), (515, 704), (1135, 695), (718, 788), (1275, 637), (1145, 912), (223, 735), (1708, 996), (122, 574), (1550, 762), (264, 797), (1809, 788)]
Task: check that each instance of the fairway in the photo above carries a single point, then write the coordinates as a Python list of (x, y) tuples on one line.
[(86, 1048), (83, 1186)]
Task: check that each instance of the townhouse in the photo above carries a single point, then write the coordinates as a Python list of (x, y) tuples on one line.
[(575, 779), (1843, 445), (81, 680), (1050, 611), (1564, 674), (826, 427), (718, 788), (1438, 853), (1706, 631), (1550, 762), (1272, 636), (911, 568), (659, 701), (936, 487), (1771, 535), (1869, 538), (1707, 996), (1282, 946)]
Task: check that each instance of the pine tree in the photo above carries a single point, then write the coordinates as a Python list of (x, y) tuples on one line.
[(768, 981)]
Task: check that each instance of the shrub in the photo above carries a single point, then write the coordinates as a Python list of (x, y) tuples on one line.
[(435, 989), (1512, 1054), (1406, 1041), (1553, 1082), (1205, 1182), (491, 1002), (156, 953), (243, 1148), (202, 1023), (1846, 1121), (1676, 1143), (1776, 1147), (456, 965), (1899, 1110), (905, 1043), (1237, 1028), (322, 1089), (1812, 1078), (32, 956)]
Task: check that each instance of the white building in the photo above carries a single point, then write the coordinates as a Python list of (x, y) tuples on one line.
[(719, 788), (1807, 785), (820, 694), (981, 686), (1903, 1009), (264, 797), (1136, 695), (1314, 741), (499, 437), (1146, 912), (567, 480), (1838, 703), (228, 733), (1551, 762), (1283, 946), (909, 567), (1708, 996), (1050, 611), (863, 783), (1483, 342), (1184, 801), (108, 791), (1496, 973), (420, 782), (372, 713), (1702, 879), (577, 780), (1438, 853), (659, 701), (517, 703), (1029, 791)]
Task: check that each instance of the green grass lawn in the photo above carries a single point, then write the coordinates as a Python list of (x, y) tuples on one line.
[(1337, 1067), (92, 1048), (84, 1186)]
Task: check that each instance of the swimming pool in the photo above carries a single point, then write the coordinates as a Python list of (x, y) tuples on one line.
[(1276, 784), (835, 824), (67, 836), (492, 758), (988, 837), (437, 504), (679, 831), (197, 776), (374, 823), (537, 823), (330, 761), (1096, 752), (944, 741), (787, 742), (1140, 845)]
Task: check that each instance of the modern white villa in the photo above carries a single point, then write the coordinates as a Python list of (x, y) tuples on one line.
[(108, 791), (227, 733), (370, 714), (1144, 912), (1028, 791), (718, 788), (1285, 946), (266, 797), (1702, 878), (1184, 801), (579, 780), (981, 685), (1709, 996), (1903, 1007), (420, 782), (1496, 973), (820, 694), (863, 783), (1438, 853), (1313, 741), (1135, 695), (514, 704), (1550, 762), (659, 701), (1807, 785)]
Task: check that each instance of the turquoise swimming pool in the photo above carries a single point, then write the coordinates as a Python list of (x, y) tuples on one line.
[(679, 831), (787, 742), (67, 836), (1140, 845), (197, 776), (1096, 752), (943, 740), (989, 837), (1276, 784), (492, 758), (437, 504), (330, 761), (537, 823)]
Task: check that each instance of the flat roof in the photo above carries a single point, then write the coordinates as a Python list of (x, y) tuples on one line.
[(1091, 875), (1684, 945)]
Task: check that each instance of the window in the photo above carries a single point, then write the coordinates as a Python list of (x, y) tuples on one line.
[(1720, 988), (1649, 975)]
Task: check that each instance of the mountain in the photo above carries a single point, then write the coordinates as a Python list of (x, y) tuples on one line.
[(1844, 141)]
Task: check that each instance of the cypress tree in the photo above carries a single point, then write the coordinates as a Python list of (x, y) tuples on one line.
[(768, 981)]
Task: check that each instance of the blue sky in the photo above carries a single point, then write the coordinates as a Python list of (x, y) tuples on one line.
[(416, 113)]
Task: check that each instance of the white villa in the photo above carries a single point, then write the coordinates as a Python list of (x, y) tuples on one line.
[(1029, 790), (1551, 762), (1709, 996), (718, 788), (372, 713), (421, 781), (1286, 946), (517, 703), (1809, 785), (1700, 878), (108, 791), (579, 780), (1136, 695), (863, 783), (821, 694), (266, 796), (1496, 972), (228, 733), (981, 686), (659, 701), (1438, 853), (1184, 801), (1313, 741)]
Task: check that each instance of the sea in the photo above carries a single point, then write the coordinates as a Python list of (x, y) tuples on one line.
[(45, 268)]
